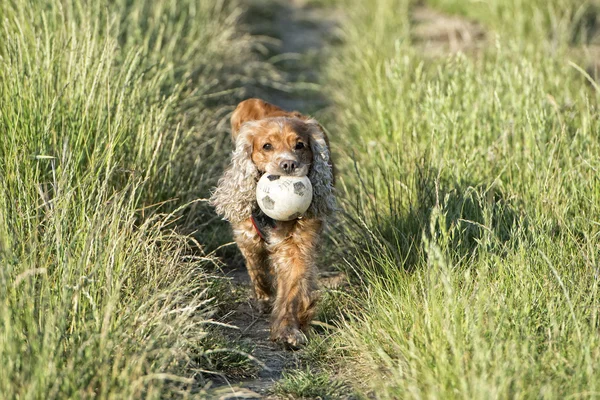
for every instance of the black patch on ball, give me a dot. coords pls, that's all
(294, 216)
(299, 188)
(273, 177)
(268, 203)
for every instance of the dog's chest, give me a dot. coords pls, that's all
(269, 230)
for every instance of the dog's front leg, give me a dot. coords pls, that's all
(293, 259)
(254, 250)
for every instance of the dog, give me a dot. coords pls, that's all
(280, 256)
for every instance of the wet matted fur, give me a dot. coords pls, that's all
(282, 265)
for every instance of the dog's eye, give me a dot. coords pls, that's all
(268, 146)
(299, 146)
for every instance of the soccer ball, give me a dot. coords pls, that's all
(284, 198)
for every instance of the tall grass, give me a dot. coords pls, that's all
(108, 110)
(545, 23)
(471, 199)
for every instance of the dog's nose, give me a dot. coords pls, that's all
(288, 165)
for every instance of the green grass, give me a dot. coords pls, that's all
(468, 187)
(308, 384)
(545, 23)
(470, 192)
(109, 129)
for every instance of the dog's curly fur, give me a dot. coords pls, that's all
(282, 267)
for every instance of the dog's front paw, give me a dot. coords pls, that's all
(264, 305)
(291, 338)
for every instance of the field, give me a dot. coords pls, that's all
(466, 138)
(475, 187)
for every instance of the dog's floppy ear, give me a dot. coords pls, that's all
(321, 173)
(235, 197)
(255, 109)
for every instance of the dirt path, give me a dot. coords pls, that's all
(439, 34)
(302, 32)
(254, 332)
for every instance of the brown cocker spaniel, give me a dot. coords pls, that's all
(280, 256)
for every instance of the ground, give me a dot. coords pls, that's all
(301, 32)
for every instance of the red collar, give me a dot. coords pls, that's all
(257, 229)
(262, 223)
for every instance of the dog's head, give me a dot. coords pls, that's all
(280, 145)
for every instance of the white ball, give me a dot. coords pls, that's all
(284, 198)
